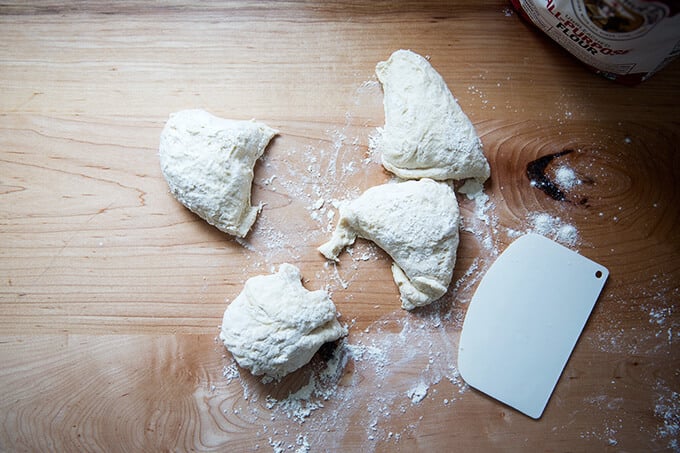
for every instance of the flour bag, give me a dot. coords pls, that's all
(623, 40)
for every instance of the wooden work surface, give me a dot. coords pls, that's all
(111, 293)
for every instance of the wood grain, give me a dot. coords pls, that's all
(111, 293)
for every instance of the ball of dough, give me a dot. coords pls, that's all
(416, 223)
(426, 133)
(275, 326)
(208, 163)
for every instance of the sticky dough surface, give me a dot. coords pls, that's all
(208, 163)
(275, 325)
(416, 223)
(426, 133)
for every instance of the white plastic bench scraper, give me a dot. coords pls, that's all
(524, 320)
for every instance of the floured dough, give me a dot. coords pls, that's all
(416, 223)
(426, 133)
(208, 163)
(275, 325)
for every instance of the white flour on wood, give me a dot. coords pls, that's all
(360, 386)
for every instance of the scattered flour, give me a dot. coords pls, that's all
(667, 410)
(566, 178)
(474, 90)
(277, 446)
(468, 280)
(662, 332)
(302, 444)
(417, 393)
(361, 385)
(321, 387)
(231, 372)
(551, 227)
(482, 224)
(554, 228)
(610, 422)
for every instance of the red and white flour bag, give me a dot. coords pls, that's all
(624, 40)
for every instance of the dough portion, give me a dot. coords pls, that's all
(416, 223)
(426, 133)
(208, 163)
(275, 326)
